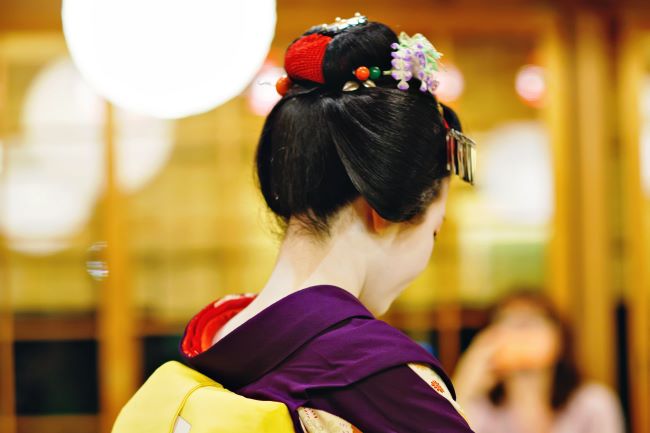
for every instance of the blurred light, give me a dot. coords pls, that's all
(62, 150)
(96, 264)
(530, 84)
(515, 173)
(262, 95)
(63, 121)
(168, 59)
(40, 211)
(451, 85)
(143, 146)
(62, 130)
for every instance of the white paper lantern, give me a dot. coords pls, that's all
(515, 173)
(56, 168)
(168, 58)
(41, 211)
(63, 124)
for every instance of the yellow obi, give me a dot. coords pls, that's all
(178, 399)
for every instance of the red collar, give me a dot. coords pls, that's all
(202, 327)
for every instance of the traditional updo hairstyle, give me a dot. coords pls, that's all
(322, 147)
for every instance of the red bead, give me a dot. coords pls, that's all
(283, 85)
(362, 73)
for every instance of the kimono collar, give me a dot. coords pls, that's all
(264, 341)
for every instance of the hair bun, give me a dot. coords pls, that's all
(366, 44)
(321, 147)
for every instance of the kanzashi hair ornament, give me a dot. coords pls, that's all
(461, 155)
(365, 75)
(342, 24)
(413, 56)
(283, 85)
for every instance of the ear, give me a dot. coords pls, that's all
(373, 220)
(379, 224)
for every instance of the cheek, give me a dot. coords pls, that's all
(417, 242)
(426, 233)
(438, 224)
(419, 247)
(426, 248)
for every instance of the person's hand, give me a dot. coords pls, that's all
(475, 373)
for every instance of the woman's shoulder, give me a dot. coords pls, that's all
(593, 397)
(360, 346)
(364, 337)
(592, 407)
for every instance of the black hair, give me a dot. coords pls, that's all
(321, 147)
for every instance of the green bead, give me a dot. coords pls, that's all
(375, 73)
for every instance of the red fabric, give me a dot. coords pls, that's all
(304, 58)
(202, 327)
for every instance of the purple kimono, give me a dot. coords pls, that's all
(320, 348)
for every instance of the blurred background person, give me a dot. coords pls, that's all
(520, 375)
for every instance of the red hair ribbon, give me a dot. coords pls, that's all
(304, 58)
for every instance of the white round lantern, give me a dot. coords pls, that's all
(516, 174)
(41, 211)
(63, 124)
(169, 58)
(56, 167)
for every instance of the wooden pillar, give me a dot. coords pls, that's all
(118, 356)
(595, 306)
(561, 277)
(579, 115)
(635, 226)
(7, 370)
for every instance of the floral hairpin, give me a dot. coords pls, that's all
(414, 56)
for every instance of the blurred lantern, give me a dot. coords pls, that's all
(451, 85)
(143, 147)
(168, 59)
(262, 95)
(63, 124)
(40, 211)
(62, 150)
(516, 174)
(530, 84)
